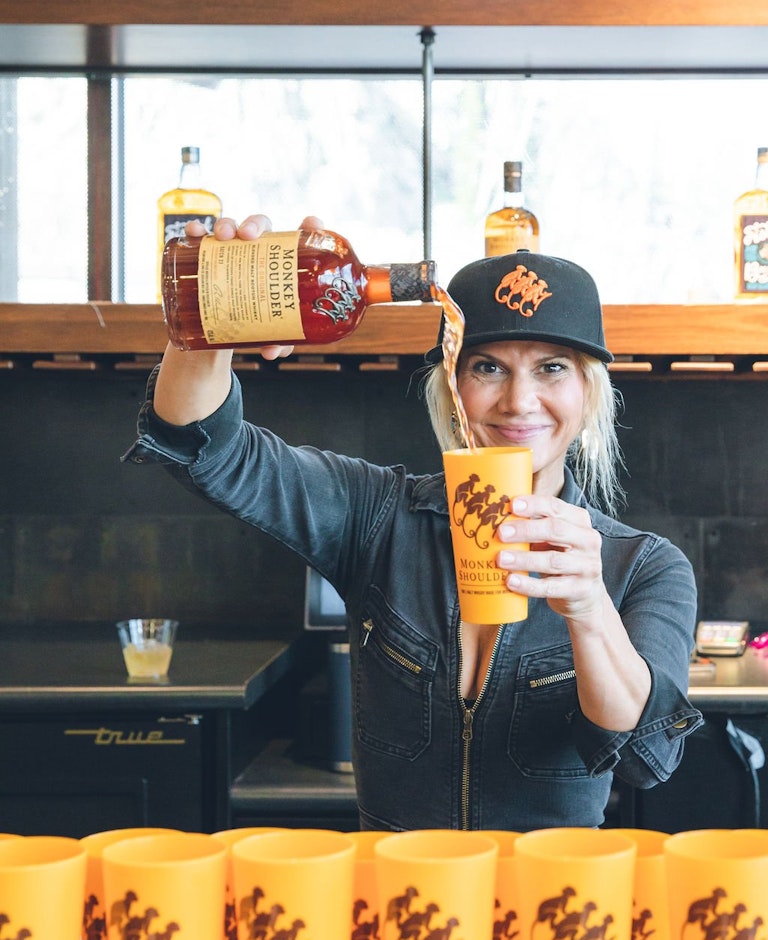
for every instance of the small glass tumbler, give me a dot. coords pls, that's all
(147, 646)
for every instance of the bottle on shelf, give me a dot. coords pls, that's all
(751, 236)
(513, 226)
(286, 288)
(188, 201)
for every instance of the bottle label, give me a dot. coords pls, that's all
(248, 291)
(510, 241)
(173, 225)
(753, 254)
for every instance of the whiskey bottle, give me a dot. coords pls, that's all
(186, 202)
(751, 236)
(286, 288)
(513, 226)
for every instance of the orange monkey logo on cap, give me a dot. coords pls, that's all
(522, 290)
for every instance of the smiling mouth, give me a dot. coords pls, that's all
(518, 433)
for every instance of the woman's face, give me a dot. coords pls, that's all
(525, 394)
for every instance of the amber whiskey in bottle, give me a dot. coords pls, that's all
(751, 236)
(285, 288)
(187, 202)
(513, 226)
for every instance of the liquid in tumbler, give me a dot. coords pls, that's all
(148, 661)
(289, 288)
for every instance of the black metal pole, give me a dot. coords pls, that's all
(427, 36)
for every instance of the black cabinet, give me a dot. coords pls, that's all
(77, 774)
(83, 751)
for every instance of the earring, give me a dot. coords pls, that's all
(454, 423)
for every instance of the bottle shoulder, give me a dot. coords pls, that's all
(753, 201)
(184, 200)
(512, 215)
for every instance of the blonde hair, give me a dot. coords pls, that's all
(594, 456)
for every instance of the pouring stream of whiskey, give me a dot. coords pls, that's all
(453, 338)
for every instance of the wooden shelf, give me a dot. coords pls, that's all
(405, 12)
(403, 329)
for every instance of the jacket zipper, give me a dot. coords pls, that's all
(467, 730)
(550, 680)
(394, 654)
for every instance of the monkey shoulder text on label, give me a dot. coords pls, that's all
(248, 291)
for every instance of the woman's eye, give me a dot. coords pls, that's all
(555, 367)
(484, 367)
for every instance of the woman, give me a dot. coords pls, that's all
(513, 726)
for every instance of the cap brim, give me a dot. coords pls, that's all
(501, 336)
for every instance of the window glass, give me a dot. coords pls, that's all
(632, 177)
(43, 190)
(347, 150)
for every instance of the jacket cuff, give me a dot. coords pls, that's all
(648, 754)
(159, 442)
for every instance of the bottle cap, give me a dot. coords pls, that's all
(513, 176)
(190, 154)
(762, 154)
(412, 281)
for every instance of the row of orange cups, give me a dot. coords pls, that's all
(315, 884)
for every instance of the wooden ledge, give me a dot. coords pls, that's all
(388, 329)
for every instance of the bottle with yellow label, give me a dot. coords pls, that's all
(289, 288)
(751, 236)
(511, 227)
(188, 201)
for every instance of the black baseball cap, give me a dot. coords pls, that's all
(530, 297)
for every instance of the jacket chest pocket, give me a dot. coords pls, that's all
(540, 737)
(393, 685)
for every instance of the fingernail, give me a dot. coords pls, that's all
(506, 559)
(506, 532)
(519, 505)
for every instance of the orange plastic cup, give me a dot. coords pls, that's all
(650, 904)
(436, 880)
(365, 897)
(717, 883)
(170, 884)
(480, 485)
(505, 905)
(575, 882)
(42, 879)
(229, 837)
(94, 910)
(294, 883)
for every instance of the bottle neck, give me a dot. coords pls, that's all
(761, 177)
(396, 283)
(513, 200)
(189, 177)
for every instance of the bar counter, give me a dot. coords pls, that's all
(88, 750)
(732, 684)
(72, 666)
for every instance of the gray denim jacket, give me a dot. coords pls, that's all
(523, 756)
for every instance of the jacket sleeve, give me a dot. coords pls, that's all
(319, 504)
(657, 604)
